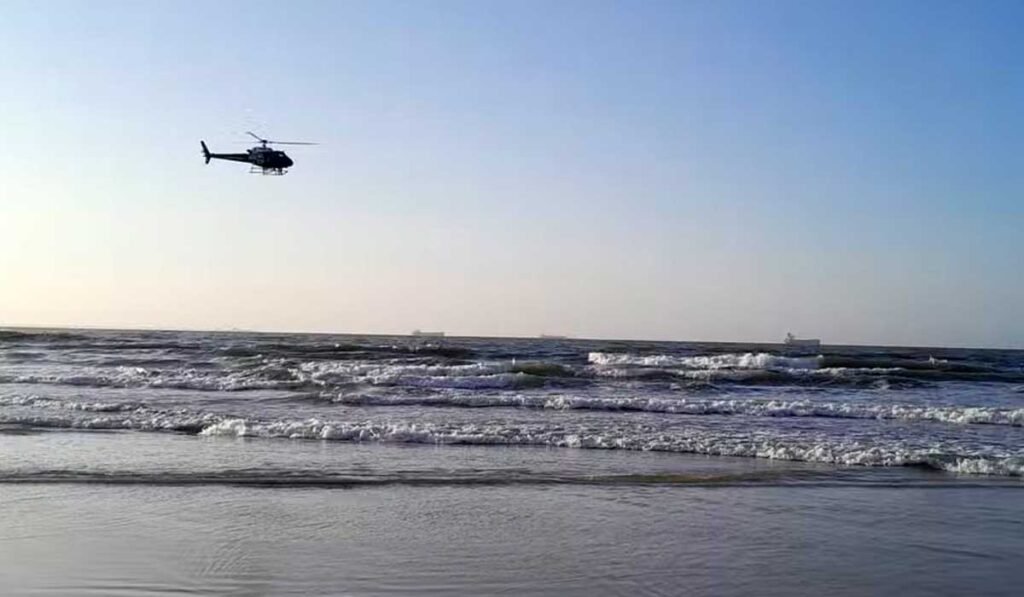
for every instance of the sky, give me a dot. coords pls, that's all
(689, 170)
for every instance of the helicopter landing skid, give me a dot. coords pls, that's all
(267, 171)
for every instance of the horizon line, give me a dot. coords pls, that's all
(236, 330)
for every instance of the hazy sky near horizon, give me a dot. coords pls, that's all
(663, 170)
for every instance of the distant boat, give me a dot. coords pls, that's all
(422, 334)
(792, 340)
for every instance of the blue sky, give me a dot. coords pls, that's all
(670, 170)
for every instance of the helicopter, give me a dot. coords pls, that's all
(264, 160)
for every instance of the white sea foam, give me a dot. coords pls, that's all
(761, 360)
(962, 415)
(839, 452)
(137, 420)
(277, 374)
(483, 375)
(136, 377)
(796, 408)
(755, 442)
(701, 406)
(1006, 467)
(43, 402)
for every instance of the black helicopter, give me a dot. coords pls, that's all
(264, 160)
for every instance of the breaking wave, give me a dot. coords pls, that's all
(873, 452)
(142, 377)
(280, 374)
(846, 453)
(766, 368)
(711, 362)
(689, 406)
(283, 374)
(42, 402)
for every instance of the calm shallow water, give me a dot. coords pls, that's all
(693, 525)
(143, 463)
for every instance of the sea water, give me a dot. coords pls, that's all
(141, 463)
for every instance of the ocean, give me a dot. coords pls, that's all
(153, 463)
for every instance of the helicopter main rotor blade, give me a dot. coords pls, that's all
(269, 142)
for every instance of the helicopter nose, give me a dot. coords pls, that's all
(288, 162)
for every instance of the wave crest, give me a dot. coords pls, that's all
(761, 360)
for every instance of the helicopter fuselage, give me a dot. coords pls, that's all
(269, 158)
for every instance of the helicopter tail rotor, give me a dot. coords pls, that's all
(206, 152)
